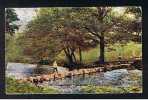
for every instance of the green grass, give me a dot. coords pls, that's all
(127, 51)
(110, 90)
(13, 87)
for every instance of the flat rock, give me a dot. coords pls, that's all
(61, 69)
(19, 70)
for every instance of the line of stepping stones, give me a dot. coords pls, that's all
(60, 75)
(64, 74)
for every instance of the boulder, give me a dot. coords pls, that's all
(134, 78)
(123, 77)
(114, 77)
(115, 74)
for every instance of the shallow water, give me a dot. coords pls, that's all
(21, 70)
(72, 85)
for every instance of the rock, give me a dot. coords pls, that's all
(19, 70)
(123, 77)
(114, 77)
(136, 71)
(21, 67)
(61, 69)
(137, 64)
(115, 74)
(134, 78)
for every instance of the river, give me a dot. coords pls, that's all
(119, 77)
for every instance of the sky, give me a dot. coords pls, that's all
(26, 14)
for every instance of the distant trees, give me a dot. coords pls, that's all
(11, 18)
(10, 27)
(136, 25)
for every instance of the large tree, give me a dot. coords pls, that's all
(107, 26)
(72, 38)
(56, 24)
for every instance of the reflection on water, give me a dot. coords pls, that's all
(43, 70)
(20, 70)
(79, 80)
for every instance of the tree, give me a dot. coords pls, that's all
(57, 24)
(76, 40)
(73, 40)
(79, 28)
(10, 27)
(11, 18)
(136, 25)
(39, 44)
(106, 26)
(40, 49)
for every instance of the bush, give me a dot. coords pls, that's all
(44, 62)
(13, 87)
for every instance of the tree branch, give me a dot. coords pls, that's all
(89, 30)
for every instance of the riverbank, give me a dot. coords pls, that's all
(13, 87)
(116, 81)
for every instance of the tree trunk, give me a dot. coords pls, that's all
(69, 57)
(102, 47)
(80, 55)
(74, 57)
(70, 60)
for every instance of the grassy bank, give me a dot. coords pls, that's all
(112, 52)
(110, 89)
(13, 87)
(134, 76)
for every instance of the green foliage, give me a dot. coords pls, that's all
(44, 48)
(110, 90)
(54, 30)
(11, 18)
(69, 29)
(13, 87)
(40, 41)
(14, 51)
